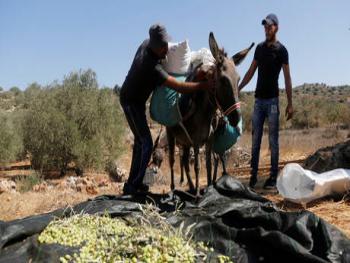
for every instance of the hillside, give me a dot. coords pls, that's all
(318, 90)
(315, 105)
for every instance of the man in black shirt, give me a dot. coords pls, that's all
(145, 74)
(270, 56)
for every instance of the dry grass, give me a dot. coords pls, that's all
(19, 205)
(25, 183)
(16, 205)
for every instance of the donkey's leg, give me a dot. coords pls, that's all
(223, 159)
(196, 168)
(208, 162)
(186, 163)
(171, 145)
(182, 168)
(216, 165)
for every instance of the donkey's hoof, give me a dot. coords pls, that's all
(197, 198)
(192, 191)
(170, 197)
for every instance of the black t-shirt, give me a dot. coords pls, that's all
(145, 74)
(270, 60)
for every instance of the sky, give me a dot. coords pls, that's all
(44, 40)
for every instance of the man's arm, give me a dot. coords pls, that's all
(288, 84)
(187, 87)
(248, 76)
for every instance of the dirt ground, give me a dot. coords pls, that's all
(294, 145)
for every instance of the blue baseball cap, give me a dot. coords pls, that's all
(271, 19)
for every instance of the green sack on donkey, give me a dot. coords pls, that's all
(164, 108)
(226, 136)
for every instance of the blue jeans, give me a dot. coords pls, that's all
(136, 116)
(265, 109)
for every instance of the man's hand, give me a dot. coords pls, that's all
(288, 83)
(289, 112)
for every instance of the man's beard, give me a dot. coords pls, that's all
(270, 38)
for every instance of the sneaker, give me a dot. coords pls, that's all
(129, 189)
(270, 183)
(143, 188)
(252, 182)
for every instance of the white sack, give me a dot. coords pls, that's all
(302, 186)
(202, 56)
(178, 58)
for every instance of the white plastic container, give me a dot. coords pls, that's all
(302, 186)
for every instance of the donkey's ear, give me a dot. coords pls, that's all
(214, 48)
(238, 58)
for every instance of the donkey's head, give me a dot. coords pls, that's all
(227, 79)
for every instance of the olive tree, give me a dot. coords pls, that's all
(73, 122)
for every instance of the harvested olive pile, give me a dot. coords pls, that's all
(105, 239)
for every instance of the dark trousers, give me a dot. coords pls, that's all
(265, 109)
(143, 145)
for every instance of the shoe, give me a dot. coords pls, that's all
(129, 189)
(143, 188)
(252, 182)
(270, 183)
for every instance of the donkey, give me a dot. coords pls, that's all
(199, 125)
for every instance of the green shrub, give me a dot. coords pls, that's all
(15, 90)
(11, 144)
(25, 183)
(6, 100)
(31, 92)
